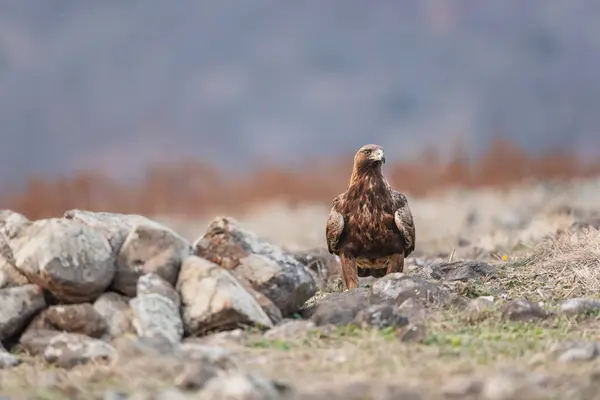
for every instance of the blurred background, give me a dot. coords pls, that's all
(196, 107)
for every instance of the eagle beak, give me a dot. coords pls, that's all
(379, 156)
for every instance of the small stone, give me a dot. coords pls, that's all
(413, 332)
(340, 308)
(75, 318)
(413, 309)
(462, 270)
(7, 360)
(568, 352)
(69, 349)
(35, 341)
(194, 376)
(398, 287)
(523, 310)
(479, 309)
(578, 306)
(18, 306)
(212, 299)
(381, 316)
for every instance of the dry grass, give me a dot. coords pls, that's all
(193, 188)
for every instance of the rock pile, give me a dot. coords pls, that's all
(71, 286)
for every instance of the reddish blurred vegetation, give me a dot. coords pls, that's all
(195, 189)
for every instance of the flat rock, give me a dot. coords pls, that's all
(277, 274)
(73, 318)
(212, 299)
(340, 308)
(156, 315)
(17, 306)
(523, 310)
(115, 311)
(66, 350)
(69, 259)
(462, 270)
(397, 287)
(149, 249)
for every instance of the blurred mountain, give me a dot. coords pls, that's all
(116, 85)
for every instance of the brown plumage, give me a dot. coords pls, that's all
(370, 226)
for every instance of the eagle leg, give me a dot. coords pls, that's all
(349, 272)
(396, 264)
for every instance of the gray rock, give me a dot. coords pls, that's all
(7, 360)
(462, 270)
(413, 332)
(194, 376)
(267, 305)
(17, 306)
(114, 226)
(340, 308)
(479, 309)
(149, 249)
(212, 299)
(156, 315)
(568, 352)
(66, 350)
(523, 310)
(381, 316)
(413, 309)
(322, 265)
(290, 329)
(69, 259)
(240, 386)
(117, 314)
(151, 283)
(273, 272)
(579, 306)
(35, 341)
(73, 318)
(398, 287)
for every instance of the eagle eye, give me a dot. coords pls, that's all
(367, 152)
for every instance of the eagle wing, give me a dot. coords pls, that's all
(404, 221)
(335, 225)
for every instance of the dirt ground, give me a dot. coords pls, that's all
(527, 233)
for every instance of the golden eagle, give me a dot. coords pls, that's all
(370, 226)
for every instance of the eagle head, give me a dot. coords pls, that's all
(369, 156)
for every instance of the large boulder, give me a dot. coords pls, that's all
(68, 258)
(212, 299)
(140, 246)
(277, 274)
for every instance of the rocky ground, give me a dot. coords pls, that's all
(499, 301)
